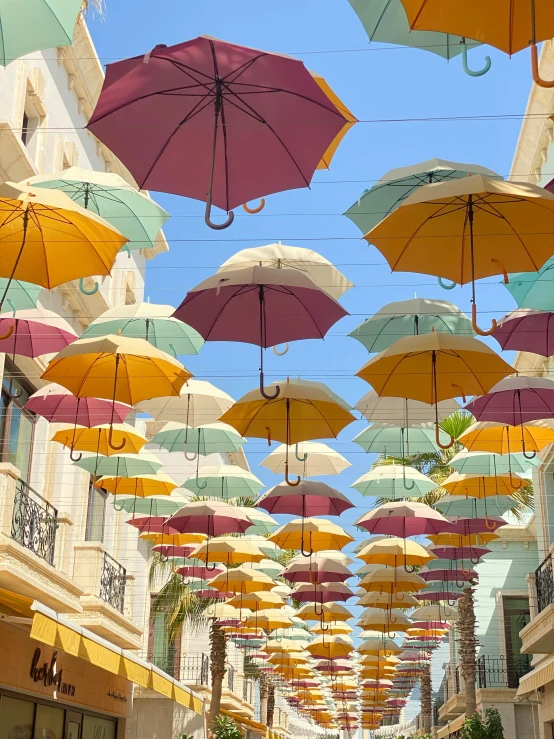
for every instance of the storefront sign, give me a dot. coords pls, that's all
(48, 674)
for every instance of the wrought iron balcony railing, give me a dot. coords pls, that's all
(112, 583)
(195, 668)
(230, 677)
(544, 579)
(498, 672)
(34, 522)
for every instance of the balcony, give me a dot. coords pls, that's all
(32, 545)
(107, 595)
(454, 695)
(498, 672)
(538, 636)
(195, 671)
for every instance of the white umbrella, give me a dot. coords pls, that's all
(394, 482)
(401, 411)
(307, 459)
(199, 403)
(322, 272)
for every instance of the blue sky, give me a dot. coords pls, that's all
(390, 89)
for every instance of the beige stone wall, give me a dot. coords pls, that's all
(156, 717)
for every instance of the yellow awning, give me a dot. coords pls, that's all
(254, 725)
(535, 679)
(50, 628)
(12, 604)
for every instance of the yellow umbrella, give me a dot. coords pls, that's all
(269, 619)
(351, 120)
(392, 580)
(106, 439)
(332, 628)
(274, 646)
(395, 552)
(491, 437)
(330, 647)
(459, 540)
(47, 239)
(289, 658)
(242, 580)
(434, 367)
(467, 229)
(320, 534)
(385, 621)
(224, 611)
(174, 540)
(325, 613)
(256, 601)
(378, 647)
(388, 601)
(230, 550)
(509, 27)
(480, 486)
(143, 486)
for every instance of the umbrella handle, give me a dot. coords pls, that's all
(191, 458)
(410, 569)
(437, 439)
(7, 335)
(173, 350)
(75, 459)
(111, 442)
(451, 604)
(323, 627)
(537, 79)
(462, 583)
(278, 353)
(445, 286)
(406, 487)
(528, 456)
(287, 480)
(300, 459)
(258, 209)
(83, 289)
(513, 481)
(490, 527)
(116, 508)
(211, 569)
(503, 268)
(263, 392)
(476, 328)
(462, 568)
(471, 72)
(318, 613)
(462, 394)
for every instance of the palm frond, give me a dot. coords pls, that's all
(180, 606)
(457, 423)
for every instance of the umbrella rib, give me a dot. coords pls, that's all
(243, 67)
(516, 234)
(267, 88)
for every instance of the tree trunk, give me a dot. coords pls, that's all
(218, 659)
(264, 692)
(426, 698)
(270, 705)
(468, 644)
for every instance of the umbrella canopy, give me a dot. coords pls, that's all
(229, 549)
(256, 601)
(394, 482)
(325, 613)
(385, 621)
(395, 186)
(316, 569)
(335, 592)
(58, 405)
(471, 553)
(404, 519)
(447, 573)
(225, 481)
(516, 400)
(338, 627)
(242, 580)
(159, 506)
(269, 619)
(211, 518)
(387, 601)
(501, 439)
(322, 272)
(445, 230)
(206, 439)
(409, 318)
(488, 463)
(330, 647)
(261, 522)
(120, 465)
(527, 330)
(19, 295)
(198, 403)
(402, 411)
(385, 647)
(435, 613)
(457, 540)
(42, 25)
(479, 486)
(307, 459)
(318, 533)
(283, 133)
(532, 290)
(135, 215)
(32, 333)
(454, 505)
(394, 552)
(380, 438)
(40, 228)
(309, 498)
(268, 567)
(99, 439)
(141, 487)
(150, 322)
(392, 580)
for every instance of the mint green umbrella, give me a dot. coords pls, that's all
(151, 322)
(267, 566)
(33, 25)
(394, 482)
(209, 438)
(223, 481)
(109, 196)
(409, 317)
(533, 289)
(456, 505)
(154, 506)
(270, 549)
(120, 465)
(262, 524)
(395, 441)
(20, 295)
(491, 465)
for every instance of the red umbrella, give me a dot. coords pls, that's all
(58, 405)
(309, 498)
(149, 524)
(404, 519)
(265, 306)
(316, 570)
(327, 593)
(216, 122)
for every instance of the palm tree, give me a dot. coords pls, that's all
(426, 688)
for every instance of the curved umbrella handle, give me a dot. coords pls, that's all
(476, 328)
(392, 619)
(445, 286)
(198, 485)
(258, 209)
(300, 459)
(505, 275)
(460, 583)
(318, 613)
(471, 72)
(211, 569)
(287, 480)
(451, 604)
(278, 353)
(312, 581)
(410, 569)
(111, 443)
(397, 596)
(210, 223)
(513, 481)
(117, 508)
(537, 79)
(263, 392)
(7, 335)
(406, 487)
(192, 458)
(306, 554)
(532, 455)
(322, 625)
(83, 289)
(492, 526)
(74, 459)
(467, 572)
(437, 439)
(462, 394)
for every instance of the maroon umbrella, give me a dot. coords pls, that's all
(515, 400)
(404, 519)
(326, 593)
(216, 122)
(469, 526)
(527, 330)
(473, 554)
(265, 306)
(149, 524)
(199, 572)
(316, 570)
(309, 498)
(446, 574)
(170, 550)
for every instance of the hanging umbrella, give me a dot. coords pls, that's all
(394, 552)
(386, 601)
(310, 498)
(256, 601)
(438, 222)
(141, 487)
(385, 622)
(436, 591)
(265, 306)
(106, 194)
(307, 459)
(120, 465)
(510, 29)
(330, 647)
(19, 295)
(395, 186)
(32, 333)
(350, 120)
(267, 547)
(320, 534)
(440, 366)
(480, 486)
(459, 541)
(199, 572)
(39, 230)
(269, 115)
(488, 463)
(377, 647)
(446, 573)
(328, 593)
(408, 318)
(515, 400)
(399, 441)
(465, 526)
(471, 553)
(299, 412)
(402, 411)
(225, 481)
(159, 506)
(268, 567)
(392, 580)
(105, 439)
(316, 569)
(212, 518)
(527, 330)
(149, 524)
(454, 505)
(261, 522)
(230, 550)
(242, 580)
(328, 612)
(58, 405)
(502, 439)
(154, 323)
(206, 439)
(269, 619)
(404, 519)
(533, 290)
(322, 272)
(338, 627)
(391, 482)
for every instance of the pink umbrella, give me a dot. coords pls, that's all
(32, 333)
(473, 554)
(328, 665)
(316, 570)
(265, 306)
(327, 593)
(515, 401)
(447, 574)
(218, 122)
(201, 573)
(404, 519)
(527, 330)
(149, 524)
(169, 551)
(469, 526)
(309, 498)
(58, 405)
(211, 594)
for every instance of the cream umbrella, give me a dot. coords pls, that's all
(402, 411)
(199, 403)
(307, 459)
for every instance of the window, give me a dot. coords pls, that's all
(163, 651)
(96, 513)
(31, 125)
(516, 616)
(17, 426)
(16, 718)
